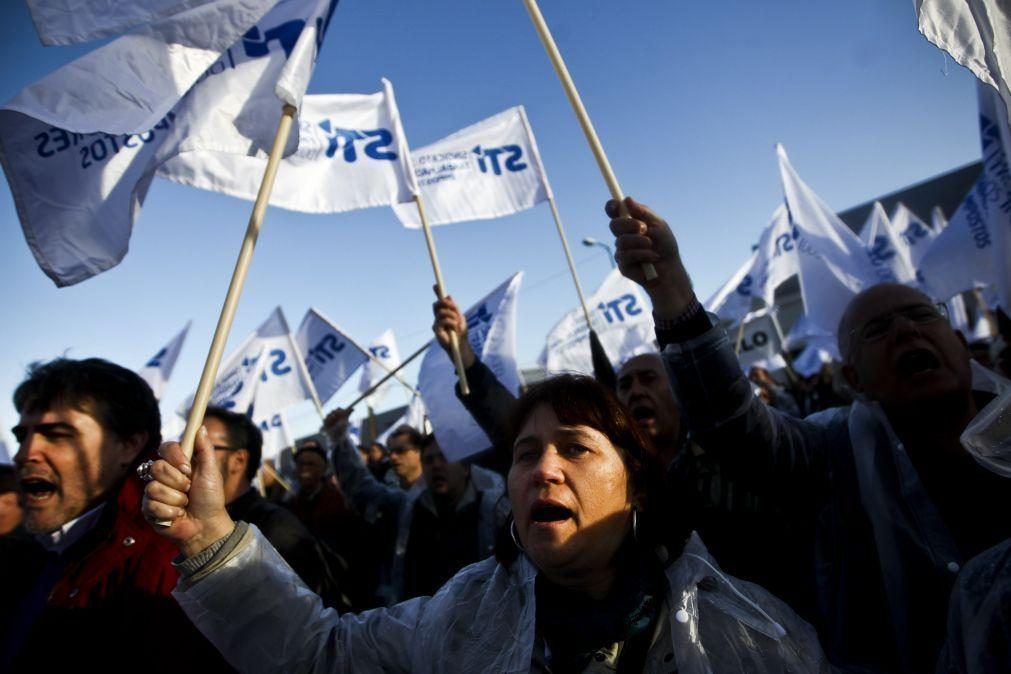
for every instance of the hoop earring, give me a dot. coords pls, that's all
(515, 535)
(635, 525)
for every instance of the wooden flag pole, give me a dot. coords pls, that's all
(572, 265)
(440, 290)
(224, 326)
(303, 372)
(584, 119)
(388, 376)
(740, 337)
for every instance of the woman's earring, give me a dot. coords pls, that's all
(515, 535)
(635, 525)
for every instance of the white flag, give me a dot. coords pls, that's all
(974, 249)
(414, 416)
(128, 85)
(886, 248)
(487, 170)
(351, 154)
(761, 341)
(276, 437)
(156, 372)
(78, 194)
(977, 34)
(491, 330)
(937, 220)
(733, 299)
(385, 357)
(331, 357)
(777, 258)
(916, 234)
(811, 360)
(834, 264)
(621, 318)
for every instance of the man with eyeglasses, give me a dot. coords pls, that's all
(895, 505)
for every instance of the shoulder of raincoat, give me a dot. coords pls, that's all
(262, 618)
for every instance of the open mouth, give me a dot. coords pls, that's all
(917, 361)
(550, 513)
(643, 413)
(37, 490)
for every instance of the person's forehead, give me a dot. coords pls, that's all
(648, 362)
(880, 301)
(542, 424)
(60, 413)
(309, 456)
(216, 428)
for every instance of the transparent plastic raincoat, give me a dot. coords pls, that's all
(250, 605)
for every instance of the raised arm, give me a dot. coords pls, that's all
(724, 415)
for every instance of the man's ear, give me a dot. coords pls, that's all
(131, 447)
(238, 460)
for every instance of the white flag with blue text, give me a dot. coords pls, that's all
(331, 357)
(733, 299)
(915, 233)
(886, 248)
(276, 437)
(351, 154)
(621, 317)
(78, 193)
(156, 372)
(834, 264)
(491, 331)
(977, 34)
(777, 257)
(974, 249)
(385, 357)
(486, 170)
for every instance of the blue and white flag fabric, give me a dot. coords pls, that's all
(732, 301)
(157, 371)
(937, 220)
(385, 357)
(977, 34)
(834, 264)
(263, 374)
(414, 416)
(488, 170)
(777, 256)
(811, 360)
(491, 331)
(351, 154)
(916, 234)
(761, 343)
(621, 317)
(974, 249)
(887, 249)
(79, 172)
(331, 357)
(276, 437)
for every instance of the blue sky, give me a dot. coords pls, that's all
(688, 99)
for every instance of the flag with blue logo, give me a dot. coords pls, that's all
(331, 357)
(916, 234)
(274, 429)
(886, 247)
(351, 154)
(158, 369)
(977, 34)
(263, 374)
(834, 265)
(733, 299)
(385, 357)
(974, 250)
(79, 165)
(491, 331)
(621, 317)
(486, 170)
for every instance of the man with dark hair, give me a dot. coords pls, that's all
(238, 446)
(898, 504)
(101, 572)
(405, 455)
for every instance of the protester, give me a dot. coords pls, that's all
(238, 447)
(98, 596)
(900, 505)
(405, 455)
(318, 504)
(591, 577)
(423, 517)
(374, 456)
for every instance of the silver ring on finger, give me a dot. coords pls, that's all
(144, 471)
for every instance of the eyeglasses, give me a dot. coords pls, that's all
(918, 314)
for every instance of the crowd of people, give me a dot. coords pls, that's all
(677, 515)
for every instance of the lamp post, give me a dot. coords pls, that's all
(590, 242)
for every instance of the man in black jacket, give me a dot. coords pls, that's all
(238, 447)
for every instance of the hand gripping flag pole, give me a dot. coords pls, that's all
(584, 119)
(224, 326)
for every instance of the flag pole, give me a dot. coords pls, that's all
(388, 376)
(584, 119)
(568, 258)
(224, 325)
(306, 379)
(440, 290)
(740, 337)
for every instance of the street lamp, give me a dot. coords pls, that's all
(590, 242)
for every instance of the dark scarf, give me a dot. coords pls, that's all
(575, 626)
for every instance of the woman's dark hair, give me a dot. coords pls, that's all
(582, 400)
